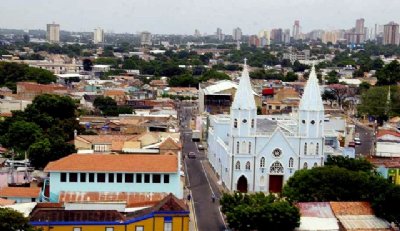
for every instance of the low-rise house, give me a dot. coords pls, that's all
(389, 168)
(21, 194)
(358, 216)
(114, 173)
(118, 95)
(317, 216)
(29, 90)
(191, 92)
(166, 213)
(387, 143)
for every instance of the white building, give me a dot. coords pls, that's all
(145, 38)
(53, 33)
(237, 34)
(98, 36)
(251, 152)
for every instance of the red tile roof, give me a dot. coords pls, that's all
(114, 163)
(351, 208)
(387, 132)
(31, 192)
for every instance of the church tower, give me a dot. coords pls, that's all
(311, 109)
(243, 110)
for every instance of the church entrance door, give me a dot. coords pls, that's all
(242, 184)
(275, 183)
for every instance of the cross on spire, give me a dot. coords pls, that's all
(245, 61)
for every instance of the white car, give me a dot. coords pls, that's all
(357, 140)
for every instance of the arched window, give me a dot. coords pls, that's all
(305, 166)
(237, 147)
(315, 164)
(311, 148)
(305, 149)
(276, 168)
(235, 123)
(237, 166)
(291, 162)
(248, 165)
(317, 149)
(249, 147)
(262, 162)
(252, 123)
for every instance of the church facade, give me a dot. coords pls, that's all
(252, 153)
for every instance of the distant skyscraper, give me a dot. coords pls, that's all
(277, 35)
(98, 35)
(53, 33)
(391, 33)
(254, 41)
(330, 36)
(197, 33)
(360, 26)
(145, 38)
(296, 30)
(286, 36)
(265, 38)
(219, 34)
(237, 34)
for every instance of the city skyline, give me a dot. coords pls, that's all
(136, 16)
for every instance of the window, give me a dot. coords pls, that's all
(101, 177)
(139, 228)
(278, 107)
(291, 160)
(109, 229)
(156, 178)
(277, 152)
(317, 149)
(63, 177)
(249, 147)
(243, 147)
(111, 177)
(139, 178)
(83, 177)
(128, 177)
(77, 229)
(270, 107)
(252, 123)
(235, 123)
(303, 121)
(262, 162)
(248, 165)
(305, 165)
(237, 147)
(91, 177)
(119, 177)
(312, 122)
(237, 166)
(276, 168)
(73, 177)
(305, 149)
(167, 226)
(146, 178)
(166, 178)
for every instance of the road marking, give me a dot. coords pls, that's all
(192, 198)
(212, 191)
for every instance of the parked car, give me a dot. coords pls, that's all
(200, 147)
(357, 140)
(192, 155)
(352, 144)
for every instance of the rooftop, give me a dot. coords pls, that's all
(114, 163)
(24, 192)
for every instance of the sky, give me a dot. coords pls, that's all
(184, 16)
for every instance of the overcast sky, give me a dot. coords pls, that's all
(184, 16)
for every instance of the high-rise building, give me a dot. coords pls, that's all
(296, 30)
(277, 35)
(219, 34)
(197, 33)
(330, 36)
(53, 33)
(237, 34)
(286, 36)
(254, 41)
(360, 26)
(391, 33)
(145, 38)
(98, 35)
(265, 38)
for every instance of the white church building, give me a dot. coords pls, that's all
(251, 152)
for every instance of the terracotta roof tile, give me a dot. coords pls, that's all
(31, 192)
(113, 92)
(351, 208)
(105, 138)
(114, 163)
(387, 132)
(132, 199)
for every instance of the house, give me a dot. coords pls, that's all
(358, 216)
(20, 194)
(114, 173)
(169, 213)
(117, 95)
(389, 168)
(317, 216)
(29, 90)
(387, 143)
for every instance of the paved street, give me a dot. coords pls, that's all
(367, 140)
(201, 186)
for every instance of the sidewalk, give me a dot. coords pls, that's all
(212, 176)
(192, 215)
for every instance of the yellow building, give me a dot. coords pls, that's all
(170, 214)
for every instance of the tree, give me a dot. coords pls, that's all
(87, 65)
(328, 95)
(11, 220)
(103, 103)
(340, 91)
(389, 74)
(21, 135)
(257, 211)
(359, 164)
(290, 77)
(333, 77)
(364, 86)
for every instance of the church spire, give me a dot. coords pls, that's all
(311, 99)
(244, 98)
